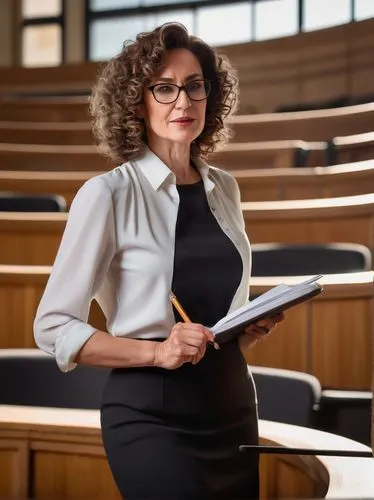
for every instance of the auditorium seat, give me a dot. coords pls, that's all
(286, 395)
(19, 202)
(277, 259)
(347, 413)
(31, 377)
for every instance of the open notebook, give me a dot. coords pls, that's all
(276, 299)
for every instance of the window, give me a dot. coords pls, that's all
(42, 32)
(226, 24)
(320, 14)
(100, 5)
(218, 22)
(41, 8)
(275, 18)
(107, 35)
(364, 9)
(113, 4)
(41, 45)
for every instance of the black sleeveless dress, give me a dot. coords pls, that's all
(174, 434)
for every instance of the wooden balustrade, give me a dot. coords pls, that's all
(316, 337)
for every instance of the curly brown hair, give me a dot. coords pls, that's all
(118, 92)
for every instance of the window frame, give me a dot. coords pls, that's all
(48, 20)
(92, 15)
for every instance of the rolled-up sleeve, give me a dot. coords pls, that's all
(86, 250)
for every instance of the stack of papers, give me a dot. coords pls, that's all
(268, 304)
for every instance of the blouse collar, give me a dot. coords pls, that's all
(158, 173)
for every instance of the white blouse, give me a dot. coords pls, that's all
(118, 247)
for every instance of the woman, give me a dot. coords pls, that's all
(175, 408)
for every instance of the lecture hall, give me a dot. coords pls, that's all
(125, 127)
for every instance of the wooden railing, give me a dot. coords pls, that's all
(47, 450)
(328, 220)
(315, 338)
(255, 185)
(33, 238)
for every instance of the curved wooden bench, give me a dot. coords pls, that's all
(65, 184)
(51, 448)
(352, 148)
(64, 133)
(236, 156)
(326, 220)
(33, 238)
(305, 183)
(279, 154)
(269, 154)
(255, 185)
(319, 125)
(51, 157)
(72, 109)
(319, 331)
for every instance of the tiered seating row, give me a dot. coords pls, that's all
(255, 185)
(316, 338)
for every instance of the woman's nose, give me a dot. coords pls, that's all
(183, 100)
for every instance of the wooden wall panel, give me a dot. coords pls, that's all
(329, 337)
(341, 349)
(14, 465)
(71, 472)
(287, 347)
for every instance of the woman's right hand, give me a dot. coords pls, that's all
(185, 344)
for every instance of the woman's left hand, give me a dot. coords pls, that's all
(259, 330)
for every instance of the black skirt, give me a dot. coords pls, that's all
(174, 434)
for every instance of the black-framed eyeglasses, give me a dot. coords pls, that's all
(166, 93)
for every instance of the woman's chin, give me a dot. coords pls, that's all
(183, 136)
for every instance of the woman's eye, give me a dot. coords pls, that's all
(165, 89)
(195, 86)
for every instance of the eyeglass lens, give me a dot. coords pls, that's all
(197, 90)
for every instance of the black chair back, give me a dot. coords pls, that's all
(278, 259)
(31, 377)
(286, 396)
(19, 202)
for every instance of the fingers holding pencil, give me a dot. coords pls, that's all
(186, 319)
(186, 342)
